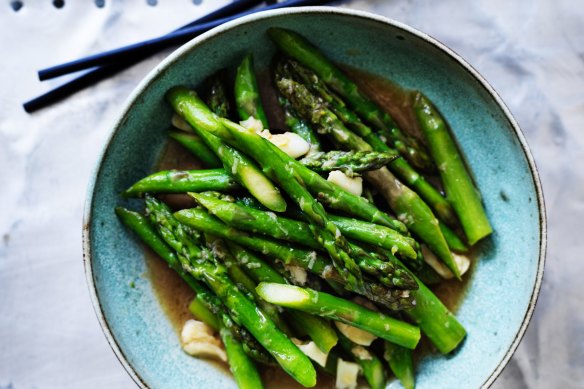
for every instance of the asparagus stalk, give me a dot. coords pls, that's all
(245, 283)
(403, 201)
(197, 147)
(278, 164)
(299, 126)
(188, 105)
(201, 312)
(460, 189)
(217, 99)
(297, 47)
(369, 362)
(270, 224)
(208, 304)
(255, 221)
(243, 369)
(329, 306)
(401, 167)
(311, 261)
(454, 242)
(247, 95)
(200, 263)
(348, 162)
(401, 364)
(319, 330)
(176, 181)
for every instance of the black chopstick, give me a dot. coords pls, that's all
(182, 35)
(100, 73)
(233, 8)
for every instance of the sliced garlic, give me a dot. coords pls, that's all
(347, 373)
(298, 274)
(356, 335)
(252, 123)
(352, 185)
(462, 262)
(361, 353)
(289, 142)
(205, 350)
(198, 340)
(180, 123)
(311, 350)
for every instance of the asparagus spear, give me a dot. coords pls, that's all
(369, 362)
(245, 283)
(460, 190)
(208, 305)
(217, 99)
(319, 330)
(299, 126)
(348, 162)
(454, 242)
(327, 305)
(243, 369)
(277, 163)
(200, 263)
(197, 147)
(297, 47)
(253, 220)
(247, 95)
(176, 181)
(201, 312)
(401, 364)
(401, 167)
(403, 201)
(199, 219)
(187, 104)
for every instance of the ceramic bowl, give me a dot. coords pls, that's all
(504, 287)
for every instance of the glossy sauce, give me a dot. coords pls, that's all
(174, 295)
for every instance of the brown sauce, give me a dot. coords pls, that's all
(174, 295)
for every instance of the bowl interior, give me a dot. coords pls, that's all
(506, 276)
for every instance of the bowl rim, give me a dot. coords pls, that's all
(178, 53)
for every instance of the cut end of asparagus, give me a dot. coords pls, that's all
(262, 189)
(284, 295)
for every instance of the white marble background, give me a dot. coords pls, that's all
(532, 52)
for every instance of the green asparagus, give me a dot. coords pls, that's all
(247, 95)
(243, 369)
(188, 105)
(401, 364)
(200, 263)
(311, 261)
(281, 167)
(401, 167)
(297, 47)
(348, 162)
(299, 126)
(319, 330)
(326, 305)
(217, 99)
(197, 147)
(176, 181)
(460, 189)
(253, 220)
(409, 207)
(370, 364)
(208, 304)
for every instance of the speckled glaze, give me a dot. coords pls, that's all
(505, 284)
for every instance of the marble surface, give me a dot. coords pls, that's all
(531, 51)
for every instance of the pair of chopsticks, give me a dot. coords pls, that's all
(110, 62)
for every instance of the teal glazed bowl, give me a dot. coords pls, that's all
(503, 290)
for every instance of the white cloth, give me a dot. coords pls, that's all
(531, 51)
